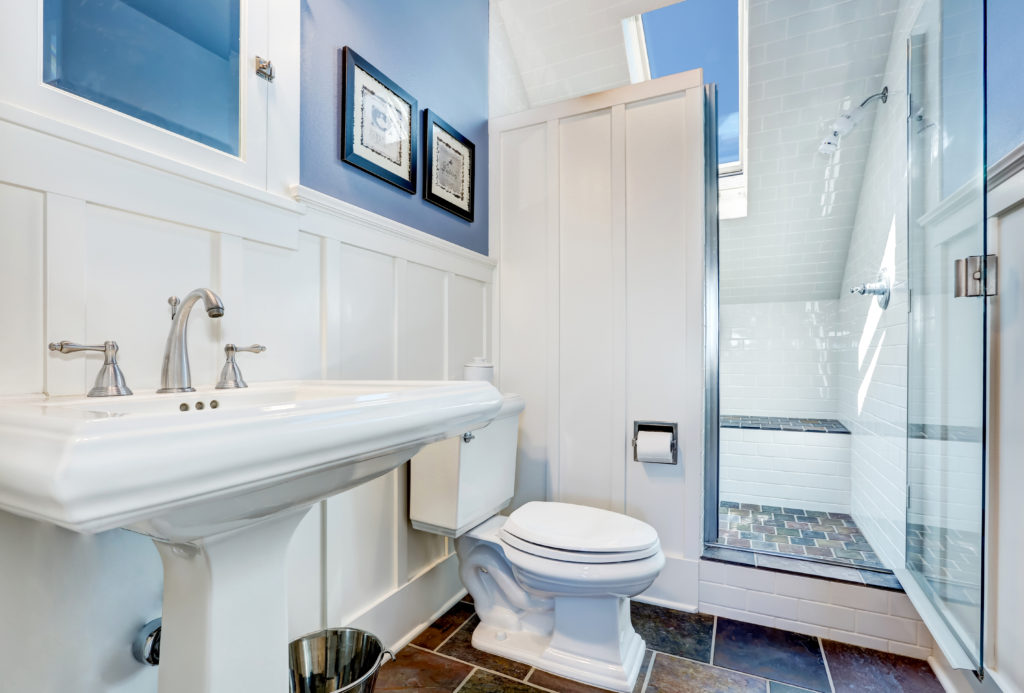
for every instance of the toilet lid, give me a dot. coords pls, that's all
(579, 528)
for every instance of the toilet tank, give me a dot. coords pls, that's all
(456, 484)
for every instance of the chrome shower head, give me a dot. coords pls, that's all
(847, 121)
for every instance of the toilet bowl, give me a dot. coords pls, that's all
(551, 582)
(559, 599)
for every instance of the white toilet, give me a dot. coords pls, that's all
(551, 582)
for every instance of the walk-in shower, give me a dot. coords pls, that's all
(850, 364)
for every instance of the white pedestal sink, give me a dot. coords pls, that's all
(220, 489)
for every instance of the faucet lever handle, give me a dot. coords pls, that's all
(231, 376)
(110, 380)
(253, 349)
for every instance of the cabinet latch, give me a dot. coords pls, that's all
(976, 276)
(265, 69)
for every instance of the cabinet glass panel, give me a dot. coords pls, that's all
(172, 64)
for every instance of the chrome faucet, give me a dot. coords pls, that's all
(176, 375)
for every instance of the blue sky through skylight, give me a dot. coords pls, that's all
(701, 33)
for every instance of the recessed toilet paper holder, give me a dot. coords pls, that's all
(661, 427)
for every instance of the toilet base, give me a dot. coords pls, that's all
(536, 650)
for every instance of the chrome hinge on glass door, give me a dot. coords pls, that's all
(976, 276)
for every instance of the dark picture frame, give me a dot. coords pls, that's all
(449, 168)
(379, 124)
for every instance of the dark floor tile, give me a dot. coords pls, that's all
(418, 670)
(468, 598)
(776, 687)
(675, 675)
(460, 646)
(486, 682)
(859, 670)
(449, 622)
(559, 684)
(641, 678)
(770, 653)
(675, 632)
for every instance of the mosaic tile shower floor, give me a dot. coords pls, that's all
(687, 653)
(834, 537)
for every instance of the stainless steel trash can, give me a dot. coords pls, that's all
(335, 660)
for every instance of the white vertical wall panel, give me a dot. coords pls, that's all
(367, 301)
(360, 560)
(421, 327)
(657, 207)
(466, 298)
(21, 283)
(524, 300)
(422, 344)
(586, 329)
(280, 303)
(128, 282)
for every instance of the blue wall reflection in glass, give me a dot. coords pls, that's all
(701, 33)
(174, 65)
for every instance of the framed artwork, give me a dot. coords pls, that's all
(450, 164)
(380, 126)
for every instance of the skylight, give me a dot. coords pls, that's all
(688, 35)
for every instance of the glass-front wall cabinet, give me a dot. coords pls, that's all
(174, 65)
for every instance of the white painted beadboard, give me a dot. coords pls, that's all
(91, 247)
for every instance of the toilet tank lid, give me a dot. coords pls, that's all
(579, 528)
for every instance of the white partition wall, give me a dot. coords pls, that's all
(599, 227)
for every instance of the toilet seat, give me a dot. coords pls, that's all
(579, 534)
(554, 554)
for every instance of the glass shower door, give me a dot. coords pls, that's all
(949, 275)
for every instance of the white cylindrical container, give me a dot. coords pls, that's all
(479, 369)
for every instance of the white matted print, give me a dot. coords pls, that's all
(450, 163)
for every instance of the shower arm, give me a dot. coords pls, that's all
(883, 95)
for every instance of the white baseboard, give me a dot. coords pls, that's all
(400, 616)
(676, 586)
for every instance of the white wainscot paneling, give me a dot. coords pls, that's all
(786, 469)
(366, 306)
(524, 301)
(22, 347)
(72, 605)
(587, 335)
(421, 323)
(422, 342)
(278, 305)
(466, 320)
(361, 530)
(132, 265)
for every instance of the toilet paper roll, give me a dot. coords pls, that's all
(654, 446)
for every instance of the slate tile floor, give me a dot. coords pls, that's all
(833, 537)
(687, 653)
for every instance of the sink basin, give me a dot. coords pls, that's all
(220, 479)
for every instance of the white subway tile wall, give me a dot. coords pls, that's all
(779, 359)
(785, 468)
(806, 67)
(856, 614)
(873, 357)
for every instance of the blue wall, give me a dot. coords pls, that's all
(1005, 96)
(437, 51)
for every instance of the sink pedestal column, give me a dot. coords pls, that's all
(225, 612)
